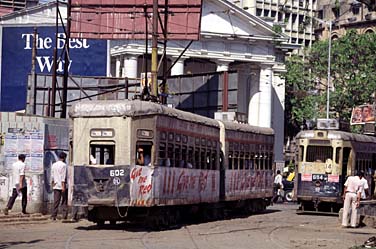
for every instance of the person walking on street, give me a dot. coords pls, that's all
(363, 180)
(277, 187)
(59, 176)
(352, 193)
(19, 181)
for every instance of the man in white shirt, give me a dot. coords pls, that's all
(364, 183)
(58, 179)
(19, 181)
(277, 187)
(352, 192)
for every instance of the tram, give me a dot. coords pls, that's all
(324, 159)
(136, 160)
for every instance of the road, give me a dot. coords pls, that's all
(278, 228)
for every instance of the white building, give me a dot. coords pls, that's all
(231, 39)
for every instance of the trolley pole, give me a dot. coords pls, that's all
(66, 64)
(154, 50)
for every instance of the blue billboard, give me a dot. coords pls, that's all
(87, 57)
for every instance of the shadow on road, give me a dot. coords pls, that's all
(186, 221)
(15, 243)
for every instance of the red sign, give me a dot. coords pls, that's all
(126, 19)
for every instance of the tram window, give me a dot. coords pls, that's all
(203, 159)
(319, 153)
(197, 141)
(170, 155)
(170, 136)
(184, 139)
(252, 161)
(241, 160)
(301, 153)
(208, 159)
(183, 162)
(143, 153)
(190, 158)
(178, 138)
(162, 135)
(102, 154)
(203, 142)
(261, 161)
(246, 161)
(162, 154)
(177, 155)
(214, 160)
(257, 161)
(236, 160)
(230, 160)
(197, 158)
(338, 151)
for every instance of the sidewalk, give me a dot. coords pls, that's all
(19, 218)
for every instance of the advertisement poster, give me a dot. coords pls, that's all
(87, 58)
(362, 114)
(29, 143)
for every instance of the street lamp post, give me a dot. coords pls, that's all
(329, 51)
(328, 83)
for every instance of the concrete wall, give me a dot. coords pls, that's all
(41, 139)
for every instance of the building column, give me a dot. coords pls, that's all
(130, 66)
(117, 66)
(178, 68)
(265, 98)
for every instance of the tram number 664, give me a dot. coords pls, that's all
(117, 172)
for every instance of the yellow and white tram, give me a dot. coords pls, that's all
(192, 164)
(324, 159)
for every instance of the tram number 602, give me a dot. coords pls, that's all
(117, 172)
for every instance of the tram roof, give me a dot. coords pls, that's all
(247, 128)
(132, 108)
(342, 135)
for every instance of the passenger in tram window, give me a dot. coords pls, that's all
(167, 162)
(93, 160)
(143, 159)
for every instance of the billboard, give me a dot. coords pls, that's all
(87, 57)
(362, 114)
(125, 19)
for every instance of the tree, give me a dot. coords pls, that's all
(353, 76)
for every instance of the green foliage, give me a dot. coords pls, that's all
(353, 76)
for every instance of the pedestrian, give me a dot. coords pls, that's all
(364, 183)
(19, 181)
(352, 193)
(277, 187)
(59, 177)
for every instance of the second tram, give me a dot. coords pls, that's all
(324, 159)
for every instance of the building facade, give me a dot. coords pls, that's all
(346, 15)
(292, 17)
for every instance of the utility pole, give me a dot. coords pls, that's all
(154, 51)
(66, 64)
(54, 67)
(163, 90)
(33, 82)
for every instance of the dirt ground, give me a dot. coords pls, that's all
(279, 227)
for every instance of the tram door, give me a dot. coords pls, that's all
(345, 161)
